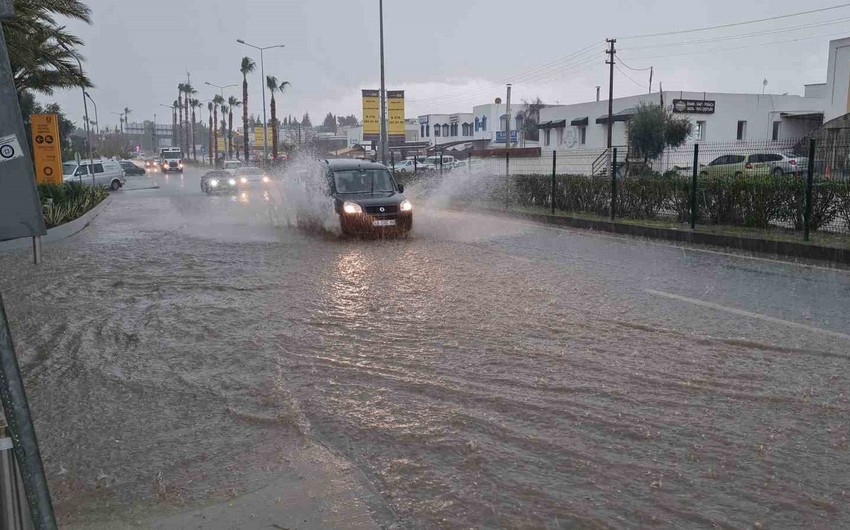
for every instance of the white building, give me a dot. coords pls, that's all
(489, 123)
(440, 129)
(717, 117)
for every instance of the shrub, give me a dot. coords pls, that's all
(70, 201)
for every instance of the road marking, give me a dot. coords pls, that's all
(670, 244)
(747, 314)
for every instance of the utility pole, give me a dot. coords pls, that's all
(508, 118)
(650, 80)
(611, 51)
(383, 90)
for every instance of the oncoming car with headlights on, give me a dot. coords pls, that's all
(218, 181)
(367, 198)
(251, 177)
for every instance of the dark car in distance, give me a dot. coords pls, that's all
(131, 169)
(218, 181)
(367, 198)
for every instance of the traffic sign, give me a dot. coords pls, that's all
(47, 152)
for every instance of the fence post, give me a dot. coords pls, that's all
(614, 185)
(441, 162)
(507, 177)
(692, 199)
(807, 212)
(470, 160)
(554, 168)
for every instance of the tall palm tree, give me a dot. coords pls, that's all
(210, 133)
(273, 86)
(217, 101)
(189, 91)
(247, 67)
(194, 103)
(232, 102)
(42, 53)
(181, 88)
(224, 111)
(174, 130)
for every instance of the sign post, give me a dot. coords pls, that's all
(46, 148)
(20, 211)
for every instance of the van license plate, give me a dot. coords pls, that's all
(384, 222)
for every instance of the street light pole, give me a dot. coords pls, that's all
(220, 87)
(85, 110)
(383, 90)
(172, 107)
(96, 120)
(263, 82)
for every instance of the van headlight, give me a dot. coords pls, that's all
(351, 207)
(232, 182)
(244, 180)
(405, 206)
(265, 179)
(214, 182)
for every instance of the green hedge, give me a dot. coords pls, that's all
(757, 202)
(62, 203)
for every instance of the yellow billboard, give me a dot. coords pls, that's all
(371, 115)
(220, 143)
(395, 116)
(258, 137)
(46, 148)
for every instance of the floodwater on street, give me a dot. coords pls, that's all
(484, 372)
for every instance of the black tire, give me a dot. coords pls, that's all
(778, 172)
(203, 185)
(115, 185)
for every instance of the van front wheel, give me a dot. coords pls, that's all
(115, 186)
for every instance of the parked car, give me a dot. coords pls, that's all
(756, 164)
(218, 181)
(131, 169)
(106, 173)
(407, 166)
(367, 198)
(250, 177)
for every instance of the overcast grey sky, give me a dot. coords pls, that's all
(447, 54)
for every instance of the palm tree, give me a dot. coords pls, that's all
(224, 111)
(273, 86)
(232, 102)
(194, 103)
(42, 53)
(181, 88)
(174, 130)
(217, 100)
(210, 132)
(190, 134)
(246, 68)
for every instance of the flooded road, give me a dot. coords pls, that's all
(484, 372)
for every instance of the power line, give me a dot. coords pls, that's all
(742, 35)
(699, 52)
(635, 69)
(627, 76)
(734, 24)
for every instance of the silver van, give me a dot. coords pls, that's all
(107, 173)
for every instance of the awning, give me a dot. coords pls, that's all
(579, 122)
(552, 124)
(802, 114)
(623, 115)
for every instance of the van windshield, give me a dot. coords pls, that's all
(69, 168)
(363, 181)
(172, 155)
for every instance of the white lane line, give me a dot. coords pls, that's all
(747, 314)
(684, 246)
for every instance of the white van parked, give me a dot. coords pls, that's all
(106, 173)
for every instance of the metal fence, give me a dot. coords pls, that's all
(789, 187)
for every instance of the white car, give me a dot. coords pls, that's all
(106, 173)
(407, 166)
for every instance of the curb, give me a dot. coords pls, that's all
(59, 232)
(750, 244)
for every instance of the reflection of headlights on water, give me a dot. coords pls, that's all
(266, 196)
(232, 182)
(266, 179)
(243, 180)
(352, 207)
(243, 197)
(405, 206)
(214, 183)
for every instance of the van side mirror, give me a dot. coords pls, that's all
(401, 188)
